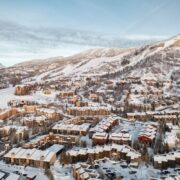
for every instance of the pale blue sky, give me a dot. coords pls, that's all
(75, 25)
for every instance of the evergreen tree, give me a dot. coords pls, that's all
(83, 144)
(90, 160)
(63, 158)
(68, 159)
(49, 174)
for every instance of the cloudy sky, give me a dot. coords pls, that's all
(31, 29)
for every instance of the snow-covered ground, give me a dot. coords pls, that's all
(61, 173)
(132, 127)
(143, 172)
(5, 96)
(8, 94)
(24, 170)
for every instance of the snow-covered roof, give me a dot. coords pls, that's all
(97, 149)
(55, 148)
(33, 154)
(102, 135)
(13, 176)
(72, 127)
(165, 157)
(120, 136)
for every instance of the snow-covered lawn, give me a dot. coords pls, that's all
(21, 169)
(8, 94)
(61, 173)
(132, 127)
(5, 96)
(142, 172)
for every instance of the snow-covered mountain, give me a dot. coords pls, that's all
(159, 60)
(19, 42)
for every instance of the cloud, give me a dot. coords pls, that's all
(22, 43)
(144, 37)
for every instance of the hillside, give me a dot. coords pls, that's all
(159, 60)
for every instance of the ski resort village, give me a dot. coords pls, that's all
(103, 114)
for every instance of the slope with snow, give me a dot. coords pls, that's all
(158, 60)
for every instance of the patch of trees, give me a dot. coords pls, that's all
(65, 158)
(49, 174)
(124, 62)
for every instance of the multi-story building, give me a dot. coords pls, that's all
(100, 138)
(98, 152)
(164, 161)
(30, 157)
(71, 129)
(88, 111)
(50, 139)
(120, 138)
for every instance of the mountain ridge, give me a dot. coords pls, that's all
(156, 60)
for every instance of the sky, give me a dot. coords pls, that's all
(33, 29)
